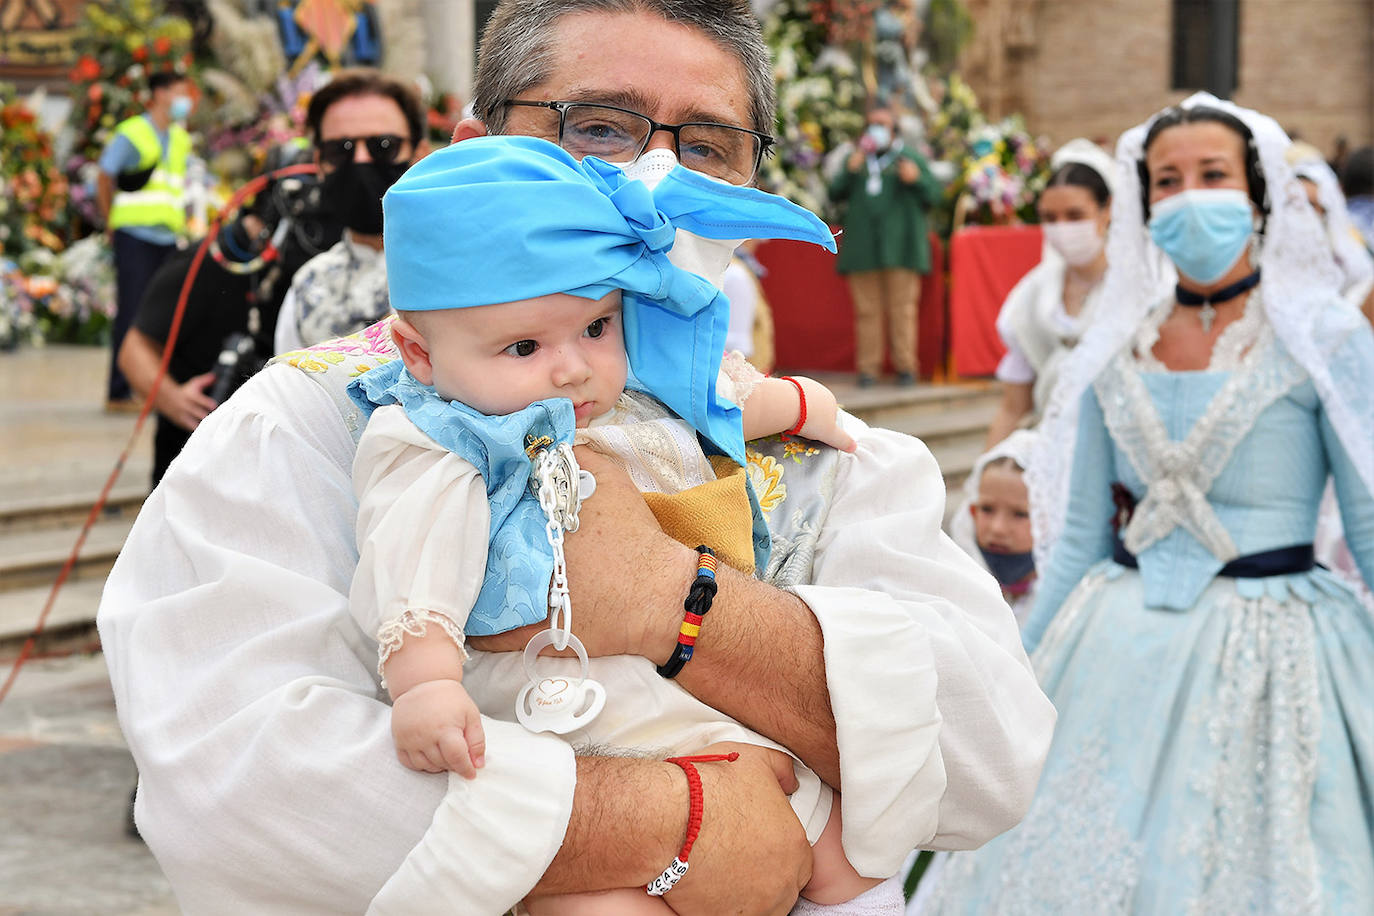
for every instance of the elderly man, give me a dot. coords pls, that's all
(886, 662)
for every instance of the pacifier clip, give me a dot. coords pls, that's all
(558, 704)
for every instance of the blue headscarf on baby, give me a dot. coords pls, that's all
(500, 219)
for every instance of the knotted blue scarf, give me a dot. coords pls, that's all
(498, 219)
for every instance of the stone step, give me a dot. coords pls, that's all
(72, 617)
(69, 508)
(33, 558)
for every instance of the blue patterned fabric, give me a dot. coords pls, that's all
(1215, 743)
(515, 590)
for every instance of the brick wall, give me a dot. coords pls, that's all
(1096, 68)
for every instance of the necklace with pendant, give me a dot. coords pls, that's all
(1208, 312)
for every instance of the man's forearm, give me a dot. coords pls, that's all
(617, 798)
(139, 358)
(104, 196)
(760, 659)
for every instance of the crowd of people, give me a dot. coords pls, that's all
(1131, 678)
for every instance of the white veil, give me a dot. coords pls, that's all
(1354, 260)
(1299, 292)
(1018, 447)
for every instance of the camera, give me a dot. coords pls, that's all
(237, 362)
(264, 246)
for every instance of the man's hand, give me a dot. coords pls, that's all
(856, 160)
(437, 727)
(908, 171)
(186, 404)
(751, 855)
(627, 578)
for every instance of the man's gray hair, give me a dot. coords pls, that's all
(518, 47)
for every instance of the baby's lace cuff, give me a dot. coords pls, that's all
(413, 622)
(741, 376)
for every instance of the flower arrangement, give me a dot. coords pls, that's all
(66, 298)
(999, 168)
(17, 323)
(820, 100)
(33, 194)
(1003, 174)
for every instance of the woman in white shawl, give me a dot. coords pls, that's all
(1215, 742)
(1045, 314)
(1324, 193)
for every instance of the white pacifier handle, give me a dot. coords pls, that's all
(557, 704)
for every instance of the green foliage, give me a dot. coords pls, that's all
(948, 29)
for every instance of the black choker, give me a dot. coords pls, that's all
(1225, 294)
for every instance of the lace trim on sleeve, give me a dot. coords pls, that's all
(741, 375)
(413, 622)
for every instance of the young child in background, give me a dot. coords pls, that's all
(565, 293)
(994, 526)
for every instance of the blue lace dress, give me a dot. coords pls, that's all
(1215, 746)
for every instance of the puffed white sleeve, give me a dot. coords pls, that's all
(423, 523)
(942, 729)
(268, 779)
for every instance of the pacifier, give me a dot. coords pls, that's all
(557, 704)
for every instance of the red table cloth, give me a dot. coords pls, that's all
(985, 262)
(813, 316)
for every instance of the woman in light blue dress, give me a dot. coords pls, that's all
(1215, 746)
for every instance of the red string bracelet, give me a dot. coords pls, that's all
(695, 805)
(801, 419)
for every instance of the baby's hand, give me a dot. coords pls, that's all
(437, 727)
(822, 417)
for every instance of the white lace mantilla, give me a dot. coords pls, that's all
(1180, 474)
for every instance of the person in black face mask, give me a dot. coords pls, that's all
(367, 128)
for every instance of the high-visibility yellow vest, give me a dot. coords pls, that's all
(160, 201)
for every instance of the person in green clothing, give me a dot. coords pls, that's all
(140, 190)
(887, 188)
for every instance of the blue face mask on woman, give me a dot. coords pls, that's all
(1203, 231)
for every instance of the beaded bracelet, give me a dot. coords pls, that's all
(699, 598)
(696, 803)
(801, 418)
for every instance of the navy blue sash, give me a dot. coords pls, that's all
(1278, 562)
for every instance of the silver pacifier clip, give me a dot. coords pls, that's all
(558, 704)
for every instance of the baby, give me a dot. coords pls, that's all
(561, 320)
(998, 518)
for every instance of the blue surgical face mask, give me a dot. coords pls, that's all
(1204, 231)
(880, 134)
(1008, 568)
(181, 108)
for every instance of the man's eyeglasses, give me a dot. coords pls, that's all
(383, 148)
(619, 135)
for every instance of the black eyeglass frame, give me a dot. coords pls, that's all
(375, 148)
(766, 141)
